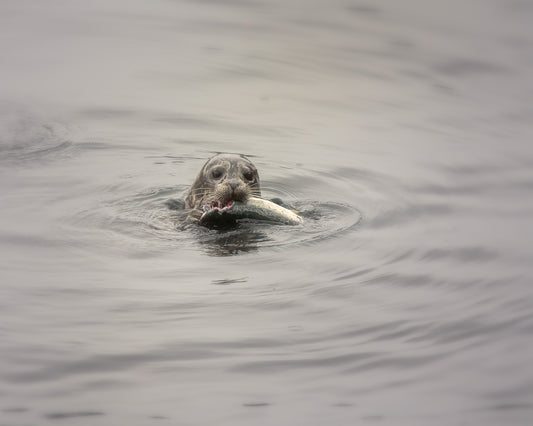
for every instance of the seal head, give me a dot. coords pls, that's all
(223, 180)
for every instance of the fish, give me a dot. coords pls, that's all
(253, 208)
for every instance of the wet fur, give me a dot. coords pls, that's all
(238, 181)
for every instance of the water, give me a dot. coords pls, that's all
(403, 128)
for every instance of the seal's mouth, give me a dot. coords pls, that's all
(218, 205)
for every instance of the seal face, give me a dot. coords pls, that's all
(223, 180)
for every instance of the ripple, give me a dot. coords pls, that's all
(321, 221)
(30, 141)
(70, 415)
(154, 219)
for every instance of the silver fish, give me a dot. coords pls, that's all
(254, 208)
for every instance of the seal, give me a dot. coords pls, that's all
(223, 180)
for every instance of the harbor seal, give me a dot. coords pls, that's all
(223, 180)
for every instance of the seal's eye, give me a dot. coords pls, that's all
(248, 175)
(217, 173)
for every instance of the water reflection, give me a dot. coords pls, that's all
(244, 239)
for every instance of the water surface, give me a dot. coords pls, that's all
(401, 128)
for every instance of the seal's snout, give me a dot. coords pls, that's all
(234, 190)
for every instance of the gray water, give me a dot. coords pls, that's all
(401, 128)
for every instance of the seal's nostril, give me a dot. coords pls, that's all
(233, 185)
